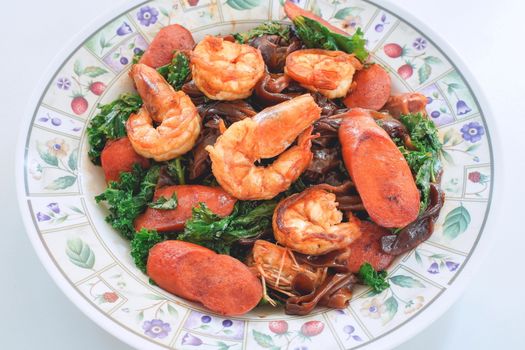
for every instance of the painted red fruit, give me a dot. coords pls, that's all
(79, 105)
(193, 2)
(278, 327)
(312, 328)
(393, 50)
(405, 71)
(97, 87)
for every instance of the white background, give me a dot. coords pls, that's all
(488, 35)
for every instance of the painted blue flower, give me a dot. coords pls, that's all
(147, 15)
(419, 44)
(205, 319)
(156, 328)
(42, 217)
(63, 83)
(227, 323)
(472, 132)
(189, 339)
(54, 207)
(434, 268)
(462, 107)
(451, 266)
(124, 29)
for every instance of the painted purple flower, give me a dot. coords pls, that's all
(43, 119)
(56, 121)
(419, 44)
(451, 266)
(63, 83)
(205, 319)
(54, 207)
(156, 328)
(42, 217)
(227, 323)
(77, 128)
(462, 107)
(472, 132)
(189, 339)
(339, 311)
(147, 15)
(434, 268)
(124, 29)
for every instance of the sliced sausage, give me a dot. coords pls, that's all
(171, 38)
(119, 156)
(188, 196)
(372, 88)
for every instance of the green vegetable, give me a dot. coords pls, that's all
(248, 219)
(177, 170)
(136, 57)
(110, 123)
(129, 197)
(372, 278)
(424, 160)
(316, 35)
(141, 243)
(270, 28)
(164, 203)
(177, 71)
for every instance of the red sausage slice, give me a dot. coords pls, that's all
(171, 38)
(372, 89)
(119, 156)
(188, 196)
(221, 283)
(379, 170)
(367, 248)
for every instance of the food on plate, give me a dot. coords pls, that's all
(329, 72)
(273, 166)
(178, 121)
(225, 70)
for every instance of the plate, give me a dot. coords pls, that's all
(91, 262)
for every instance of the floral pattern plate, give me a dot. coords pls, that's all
(91, 263)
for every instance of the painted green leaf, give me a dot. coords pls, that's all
(424, 72)
(79, 253)
(61, 219)
(406, 282)
(418, 258)
(160, 313)
(62, 183)
(372, 293)
(456, 222)
(344, 12)
(172, 311)
(472, 147)
(432, 60)
(93, 71)
(131, 45)
(452, 87)
(263, 340)
(438, 256)
(391, 306)
(241, 5)
(139, 317)
(446, 156)
(72, 161)
(77, 67)
(164, 11)
(152, 296)
(443, 110)
(47, 157)
(76, 209)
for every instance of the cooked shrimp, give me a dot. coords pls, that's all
(265, 135)
(328, 72)
(310, 223)
(179, 121)
(225, 70)
(278, 268)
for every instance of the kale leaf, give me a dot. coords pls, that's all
(141, 243)
(424, 160)
(164, 203)
(376, 280)
(315, 35)
(110, 123)
(129, 197)
(177, 71)
(268, 28)
(248, 219)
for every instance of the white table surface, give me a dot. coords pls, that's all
(35, 314)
